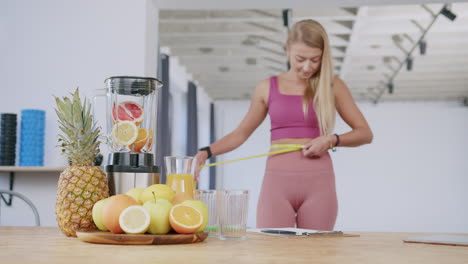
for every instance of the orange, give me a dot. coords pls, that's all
(201, 206)
(180, 197)
(125, 132)
(142, 139)
(185, 219)
(112, 210)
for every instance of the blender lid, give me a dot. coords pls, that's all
(132, 85)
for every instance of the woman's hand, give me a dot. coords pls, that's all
(317, 146)
(201, 158)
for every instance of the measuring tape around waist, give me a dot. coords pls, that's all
(284, 149)
(286, 146)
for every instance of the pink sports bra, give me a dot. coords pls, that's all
(287, 117)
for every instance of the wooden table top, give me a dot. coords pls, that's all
(49, 245)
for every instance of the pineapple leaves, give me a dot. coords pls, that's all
(79, 137)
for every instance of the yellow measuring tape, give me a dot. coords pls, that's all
(284, 149)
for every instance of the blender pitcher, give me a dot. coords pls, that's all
(131, 121)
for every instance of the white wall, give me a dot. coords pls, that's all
(246, 174)
(203, 103)
(51, 47)
(413, 177)
(179, 78)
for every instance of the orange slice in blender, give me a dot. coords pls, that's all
(125, 132)
(144, 136)
(185, 219)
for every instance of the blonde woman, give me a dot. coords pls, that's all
(298, 188)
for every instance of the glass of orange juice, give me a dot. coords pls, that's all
(179, 174)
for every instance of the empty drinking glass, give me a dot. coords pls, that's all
(210, 199)
(233, 206)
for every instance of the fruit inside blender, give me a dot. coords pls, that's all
(127, 118)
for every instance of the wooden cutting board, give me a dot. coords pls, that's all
(144, 239)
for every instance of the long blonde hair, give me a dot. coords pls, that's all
(319, 86)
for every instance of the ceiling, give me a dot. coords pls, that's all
(229, 51)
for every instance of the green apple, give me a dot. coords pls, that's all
(97, 214)
(201, 206)
(158, 191)
(135, 194)
(159, 211)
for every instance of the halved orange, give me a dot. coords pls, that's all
(185, 219)
(142, 139)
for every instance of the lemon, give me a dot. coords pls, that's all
(134, 220)
(125, 132)
(160, 191)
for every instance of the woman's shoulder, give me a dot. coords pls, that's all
(262, 90)
(263, 86)
(265, 83)
(337, 80)
(338, 83)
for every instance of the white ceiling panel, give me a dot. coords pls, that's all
(229, 51)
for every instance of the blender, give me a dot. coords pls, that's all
(131, 113)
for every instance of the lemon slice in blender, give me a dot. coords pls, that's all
(125, 132)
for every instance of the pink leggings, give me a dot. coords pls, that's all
(298, 192)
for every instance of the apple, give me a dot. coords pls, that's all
(135, 194)
(159, 211)
(157, 191)
(97, 214)
(201, 206)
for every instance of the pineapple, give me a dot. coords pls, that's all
(81, 185)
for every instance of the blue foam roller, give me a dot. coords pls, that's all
(32, 137)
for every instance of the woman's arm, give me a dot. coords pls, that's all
(349, 112)
(254, 117)
(361, 133)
